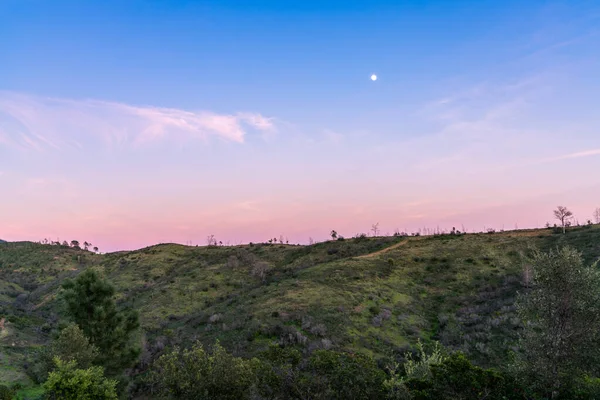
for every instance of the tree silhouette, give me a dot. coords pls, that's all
(375, 229)
(563, 215)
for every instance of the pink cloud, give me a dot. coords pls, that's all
(40, 122)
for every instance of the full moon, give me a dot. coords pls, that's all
(373, 77)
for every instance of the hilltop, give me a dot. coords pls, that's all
(371, 295)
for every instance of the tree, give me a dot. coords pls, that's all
(375, 229)
(561, 314)
(195, 373)
(86, 245)
(69, 383)
(70, 345)
(91, 305)
(333, 234)
(597, 215)
(563, 215)
(75, 243)
(211, 241)
(95, 249)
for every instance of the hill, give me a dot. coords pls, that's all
(2, 241)
(371, 295)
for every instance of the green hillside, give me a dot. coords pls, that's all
(371, 295)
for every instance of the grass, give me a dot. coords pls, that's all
(370, 295)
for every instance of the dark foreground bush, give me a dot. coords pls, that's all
(457, 378)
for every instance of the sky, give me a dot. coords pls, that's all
(130, 123)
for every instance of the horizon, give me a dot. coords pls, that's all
(282, 240)
(130, 125)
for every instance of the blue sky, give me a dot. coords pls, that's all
(268, 106)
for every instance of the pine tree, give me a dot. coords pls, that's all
(91, 305)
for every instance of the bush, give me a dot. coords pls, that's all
(346, 376)
(70, 345)
(69, 383)
(456, 378)
(195, 373)
(5, 393)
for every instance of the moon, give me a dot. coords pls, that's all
(373, 77)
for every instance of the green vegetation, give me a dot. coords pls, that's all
(562, 312)
(69, 383)
(194, 373)
(295, 321)
(71, 345)
(90, 304)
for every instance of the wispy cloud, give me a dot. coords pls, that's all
(580, 154)
(35, 122)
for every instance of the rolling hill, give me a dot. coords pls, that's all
(371, 295)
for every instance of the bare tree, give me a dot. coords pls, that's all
(563, 215)
(375, 229)
(597, 215)
(211, 241)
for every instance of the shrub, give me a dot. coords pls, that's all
(69, 383)
(194, 373)
(375, 309)
(5, 393)
(421, 369)
(346, 375)
(70, 345)
(456, 378)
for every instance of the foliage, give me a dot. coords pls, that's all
(6, 393)
(195, 373)
(91, 305)
(345, 375)
(561, 339)
(395, 384)
(69, 383)
(70, 345)
(421, 368)
(455, 378)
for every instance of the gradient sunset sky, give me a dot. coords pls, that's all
(129, 123)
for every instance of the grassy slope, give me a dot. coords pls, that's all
(376, 295)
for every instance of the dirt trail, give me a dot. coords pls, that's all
(385, 250)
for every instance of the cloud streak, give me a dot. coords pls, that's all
(33, 122)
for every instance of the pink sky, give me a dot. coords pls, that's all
(480, 131)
